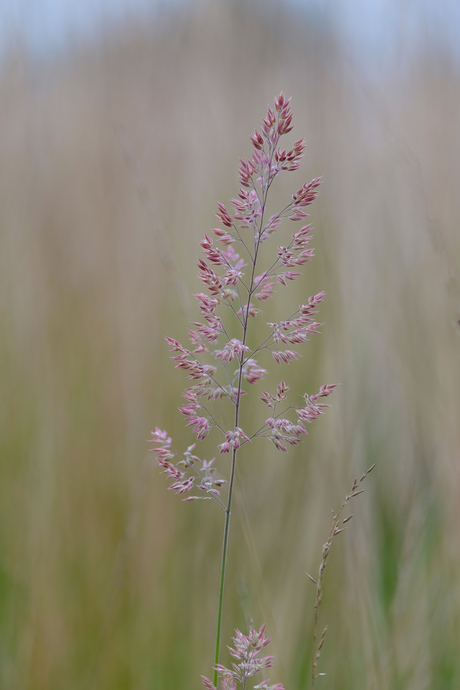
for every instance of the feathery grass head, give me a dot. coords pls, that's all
(245, 651)
(219, 360)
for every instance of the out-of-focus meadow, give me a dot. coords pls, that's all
(113, 158)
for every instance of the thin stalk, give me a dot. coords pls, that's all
(258, 233)
(224, 562)
(228, 510)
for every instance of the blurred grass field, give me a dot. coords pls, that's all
(113, 160)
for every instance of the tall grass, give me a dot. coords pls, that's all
(112, 161)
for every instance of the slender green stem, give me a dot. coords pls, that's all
(250, 291)
(224, 561)
(232, 474)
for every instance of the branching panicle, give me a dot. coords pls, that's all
(232, 279)
(245, 650)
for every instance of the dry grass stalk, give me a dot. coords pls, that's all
(336, 528)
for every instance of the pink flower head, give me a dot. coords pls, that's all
(224, 215)
(313, 409)
(234, 258)
(213, 254)
(207, 304)
(232, 350)
(212, 331)
(301, 238)
(183, 486)
(257, 141)
(233, 440)
(252, 372)
(264, 285)
(287, 275)
(177, 347)
(209, 278)
(306, 194)
(285, 356)
(248, 209)
(200, 426)
(248, 310)
(245, 651)
(232, 276)
(269, 132)
(283, 108)
(160, 436)
(325, 390)
(290, 160)
(223, 236)
(289, 259)
(247, 170)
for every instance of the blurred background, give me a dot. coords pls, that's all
(121, 126)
